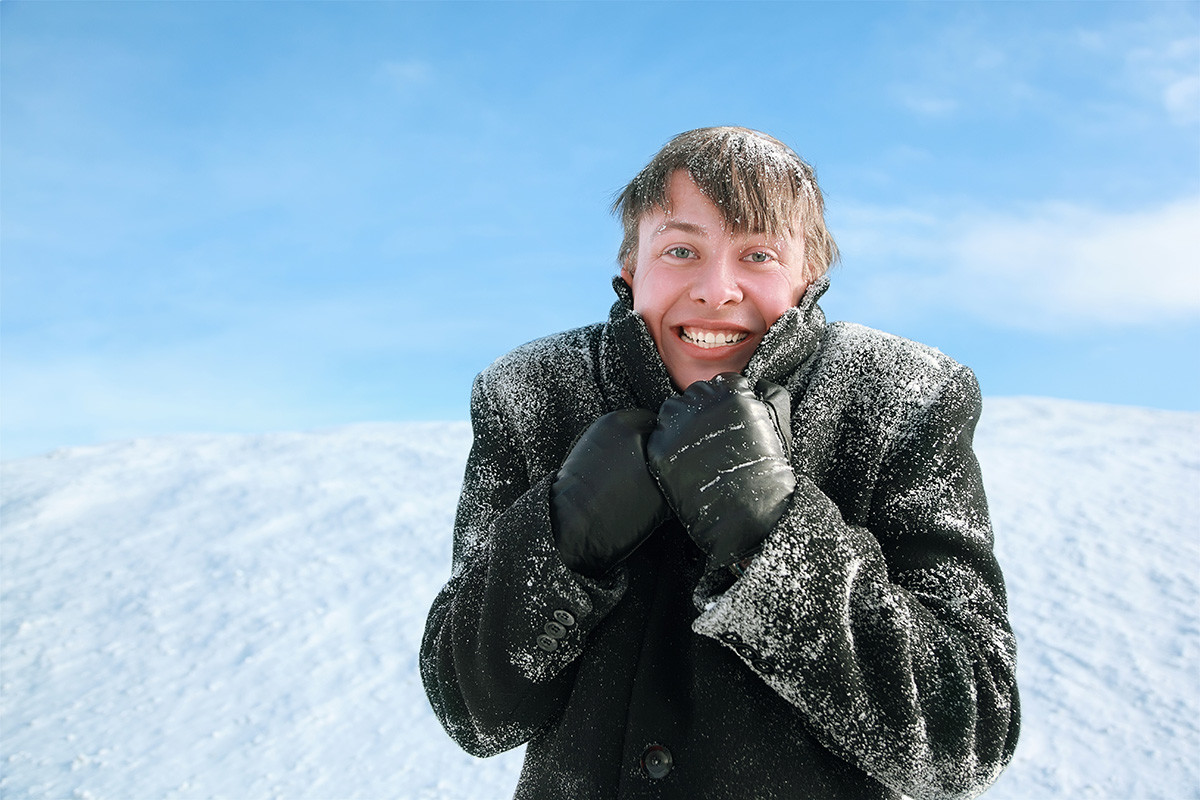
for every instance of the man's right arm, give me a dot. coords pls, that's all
(503, 633)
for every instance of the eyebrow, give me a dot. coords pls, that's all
(680, 225)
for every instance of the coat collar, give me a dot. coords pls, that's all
(630, 359)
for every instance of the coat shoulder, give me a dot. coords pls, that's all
(882, 386)
(884, 352)
(543, 393)
(560, 363)
(886, 366)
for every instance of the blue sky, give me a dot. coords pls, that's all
(228, 216)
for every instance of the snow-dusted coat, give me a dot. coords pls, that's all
(866, 651)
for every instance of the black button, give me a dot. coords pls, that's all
(547, 644)
(730, 637)
(564, 618)
(745, 651)
(656, 761)
(765, 665)
(555, 630)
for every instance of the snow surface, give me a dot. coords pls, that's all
(239, 616)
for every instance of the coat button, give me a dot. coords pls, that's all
(765, 665)
(564, 618)
(656, 761)
(547, 644)
(555, 630)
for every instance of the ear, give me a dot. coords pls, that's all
(809, 255)
(627, 275)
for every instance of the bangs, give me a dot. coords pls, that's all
(757, 188)
(758, 184)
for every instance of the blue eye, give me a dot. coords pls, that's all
(759, 257)
(680, 252)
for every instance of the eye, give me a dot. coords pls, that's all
(679, 251)
(759, 257)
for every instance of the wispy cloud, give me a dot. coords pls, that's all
(925, 101)
(965, 68)
(1171, 73)
(1055, 266)
(1082, 265)
(1182, 98)
(404, 75)
(1153, 61)
(978, 64)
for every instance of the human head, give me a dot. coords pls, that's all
(706, 294)
(758, 183)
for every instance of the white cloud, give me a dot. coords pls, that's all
(404, 75)
(1072, 264)
(982, 64)
(968, 67)
(1182, 99)
(924, 102)
(1056, 266)
(1169, 72)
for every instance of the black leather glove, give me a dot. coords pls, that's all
(604, 502)
(722, 455)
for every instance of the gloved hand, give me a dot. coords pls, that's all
(722, 455)
(604, 502)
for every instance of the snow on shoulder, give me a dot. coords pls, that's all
(240, 616)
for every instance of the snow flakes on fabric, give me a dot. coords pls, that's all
(879, 595)
(875, 610)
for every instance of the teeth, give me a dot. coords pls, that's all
(709, 339)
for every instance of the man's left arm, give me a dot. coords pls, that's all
(892, 640)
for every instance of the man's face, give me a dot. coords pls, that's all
(708, 295)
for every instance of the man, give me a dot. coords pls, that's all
(716, 548)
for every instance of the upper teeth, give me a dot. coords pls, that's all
(711, 338)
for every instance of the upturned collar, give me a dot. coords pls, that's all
(631, 357)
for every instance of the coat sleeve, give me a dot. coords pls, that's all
(490, 682)
(891, 639)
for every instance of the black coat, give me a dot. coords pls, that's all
(865, 653)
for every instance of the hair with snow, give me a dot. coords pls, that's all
(758, 183)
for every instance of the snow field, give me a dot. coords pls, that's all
(1096, 513)
(232, 617)
(239, 616)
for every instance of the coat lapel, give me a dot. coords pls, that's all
(635, 374)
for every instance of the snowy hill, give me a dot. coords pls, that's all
(239, 616)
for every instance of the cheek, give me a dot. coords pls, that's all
(653, 294)
(774, 296)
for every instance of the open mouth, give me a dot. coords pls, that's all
(711, 339)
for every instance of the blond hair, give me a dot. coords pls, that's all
(759, 184)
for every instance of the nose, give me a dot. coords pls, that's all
(715, 283)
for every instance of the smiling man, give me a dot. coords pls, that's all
(716, 548)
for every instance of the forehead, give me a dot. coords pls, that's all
(689, 210)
